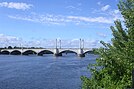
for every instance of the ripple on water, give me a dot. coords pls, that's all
(48, 72)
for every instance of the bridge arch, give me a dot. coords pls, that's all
(88, 52)
(5, 52)
(15, 52)
(67, 51)
(45, 52)
(28, 52)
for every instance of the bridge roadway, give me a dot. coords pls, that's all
(56, 51)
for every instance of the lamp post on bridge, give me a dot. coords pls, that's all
(80, 43)
(80, 51)
(56, 43)
(60, 43)
(83, 43)
(21, 47)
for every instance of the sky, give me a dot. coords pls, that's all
(39, 22)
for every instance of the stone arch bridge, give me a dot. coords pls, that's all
(56, 51)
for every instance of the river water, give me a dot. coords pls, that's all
(47, 72)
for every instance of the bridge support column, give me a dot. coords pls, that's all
(39, 54)
(56, 55)
(56, 52)
(81, 53)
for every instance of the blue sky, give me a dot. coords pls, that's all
(40, 22)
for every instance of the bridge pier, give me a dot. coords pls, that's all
(57, 55)
(81, 55)
(39, 54)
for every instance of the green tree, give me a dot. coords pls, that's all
(9, 47)
(113, 69)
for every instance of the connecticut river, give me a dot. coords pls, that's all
(47, 72)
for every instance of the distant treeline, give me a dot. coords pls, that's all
(15, 47)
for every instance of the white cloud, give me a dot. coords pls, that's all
(116, 11)
(16, 5)
(74, 8)
(116, 15)
(71, 7)
(75, 43)
(45, 19)
(94, 43)
(113, 14)
(61, 20)
(106, 7)
(6, 40)
(99, 3)
(102, 35)
(90, 19)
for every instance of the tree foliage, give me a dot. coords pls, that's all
(9, 47)
(113, 69)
